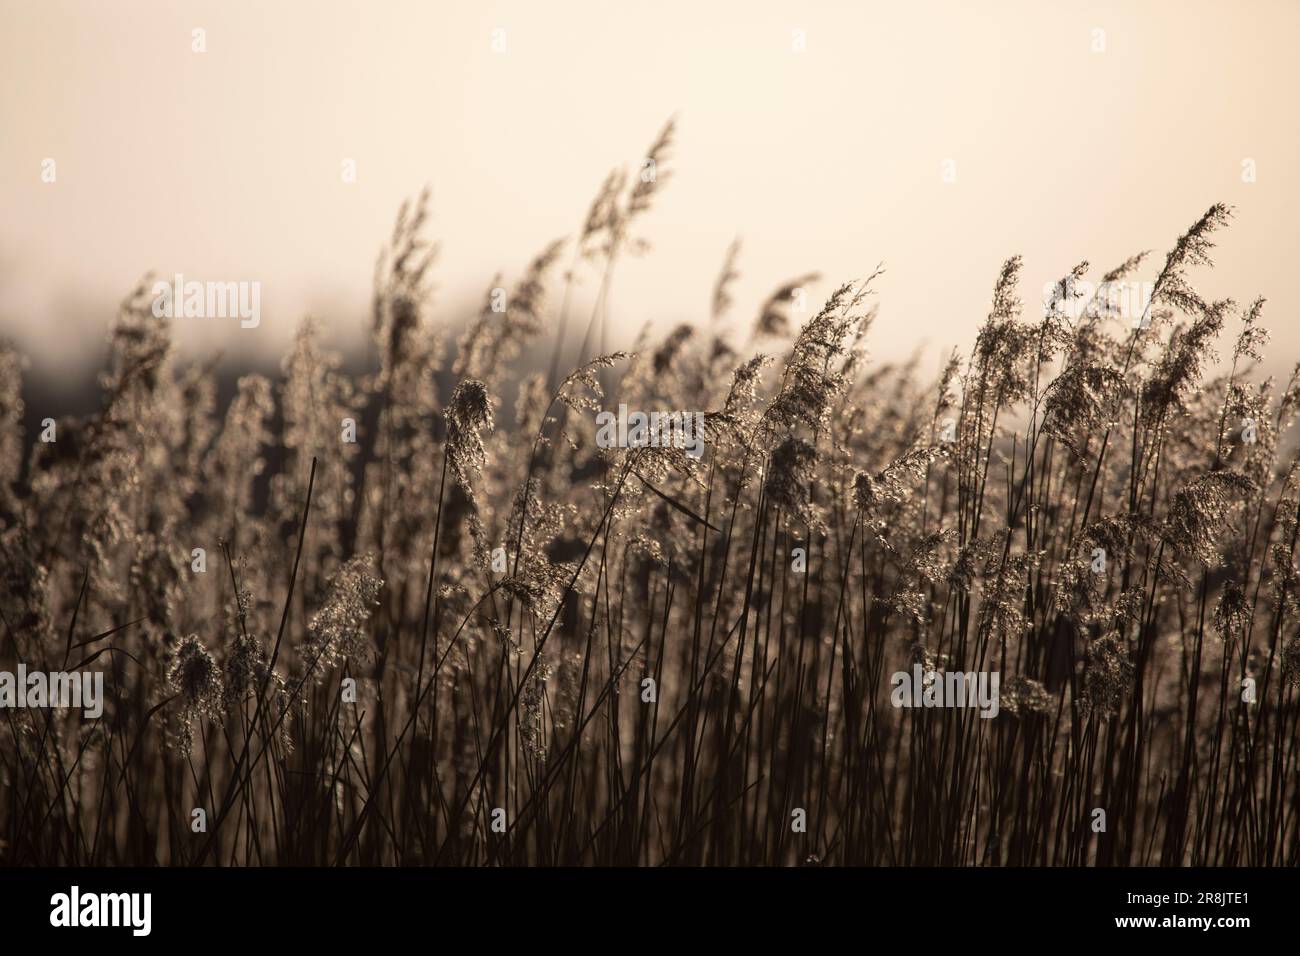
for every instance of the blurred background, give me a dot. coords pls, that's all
(1071, 130)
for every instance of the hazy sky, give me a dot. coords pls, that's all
(226, 164)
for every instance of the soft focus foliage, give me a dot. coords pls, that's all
(616, 645)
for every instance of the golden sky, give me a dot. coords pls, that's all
(226, 164)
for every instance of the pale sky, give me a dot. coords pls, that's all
(225, 165)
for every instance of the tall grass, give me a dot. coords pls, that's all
(616, 655)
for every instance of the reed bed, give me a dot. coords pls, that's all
(474, 636)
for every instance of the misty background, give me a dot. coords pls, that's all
(226, 164)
